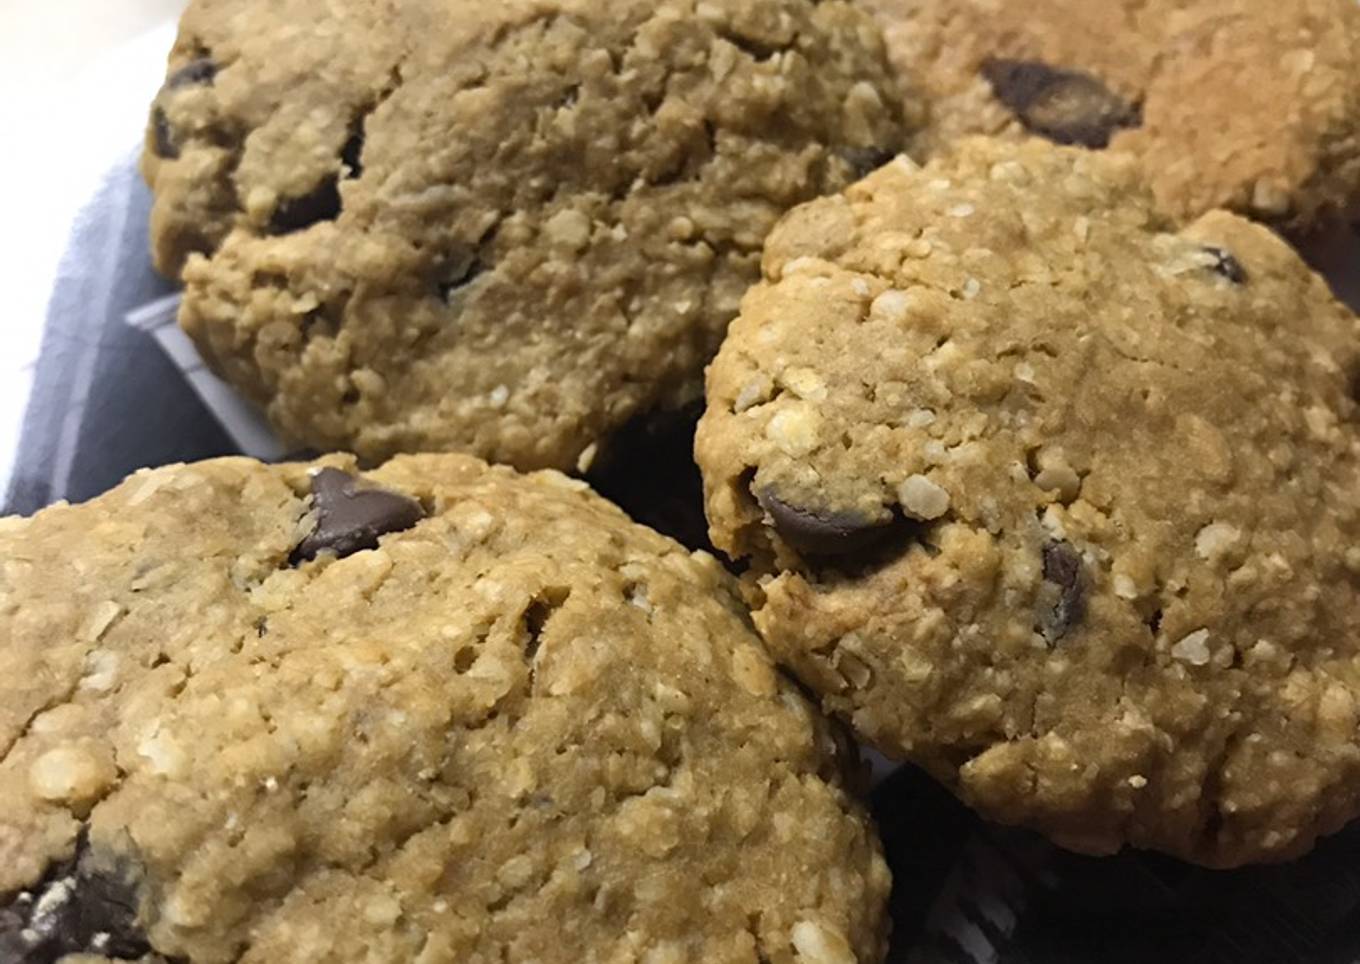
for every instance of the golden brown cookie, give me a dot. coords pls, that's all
(436, 713)
(1245, 104)
(1056, 499)
(503, 228)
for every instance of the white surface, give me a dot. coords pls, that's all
(60, 143)
(47, 41)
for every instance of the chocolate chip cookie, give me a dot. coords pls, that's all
(1244, 104)
(1057, 499)
(502, 228)
(439, 712)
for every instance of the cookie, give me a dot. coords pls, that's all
(1241, 104)
(1057, 499)
(507, 229)
(440, 712)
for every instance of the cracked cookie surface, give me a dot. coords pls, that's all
(504, 229)
(1241, 104)
(1056, 499)
(439, 712)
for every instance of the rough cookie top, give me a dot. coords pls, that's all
(1055, 499)
(441, 712)
(498, 228)
(1244, 104)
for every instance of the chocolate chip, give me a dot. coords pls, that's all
(821, 534)
(351, 518)
(197, 72)
(1066, 106)
(322, 203)
(81, 906)
(864, 161)
(163, 138)
(1062, 601)
(1227, 265)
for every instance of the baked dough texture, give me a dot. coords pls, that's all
(1056, 499)
(1248, 105)
(499, 228)
(438, 712)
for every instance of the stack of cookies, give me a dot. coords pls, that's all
(1027, 437)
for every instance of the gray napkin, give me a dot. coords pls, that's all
(106, 400)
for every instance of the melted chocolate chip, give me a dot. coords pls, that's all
(350, 518)
(1063, 603)
(81, 906)
(821, 534)
(322, 203)
(196, 73)
(163, 138)
(1065, 106)
(1227, 265)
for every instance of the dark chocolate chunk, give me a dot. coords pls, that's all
(864, 161)
(1227, 265)
(163, 137)
(197, 72)
(1065, 106)
(81, 906)
(322, 203)
(1063, 603)
(821, 534)
(351, 518)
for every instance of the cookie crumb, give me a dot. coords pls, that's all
(100, 620)
(890, 306)
(71, 775)
(922, 499)
(795, 429)
(818, 944)
(1216, 539)
(753, 393)
(1194, 648)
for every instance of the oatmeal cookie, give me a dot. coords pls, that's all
(439, 712)
(1057, 499)
(1243, 104)
(506, 229)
